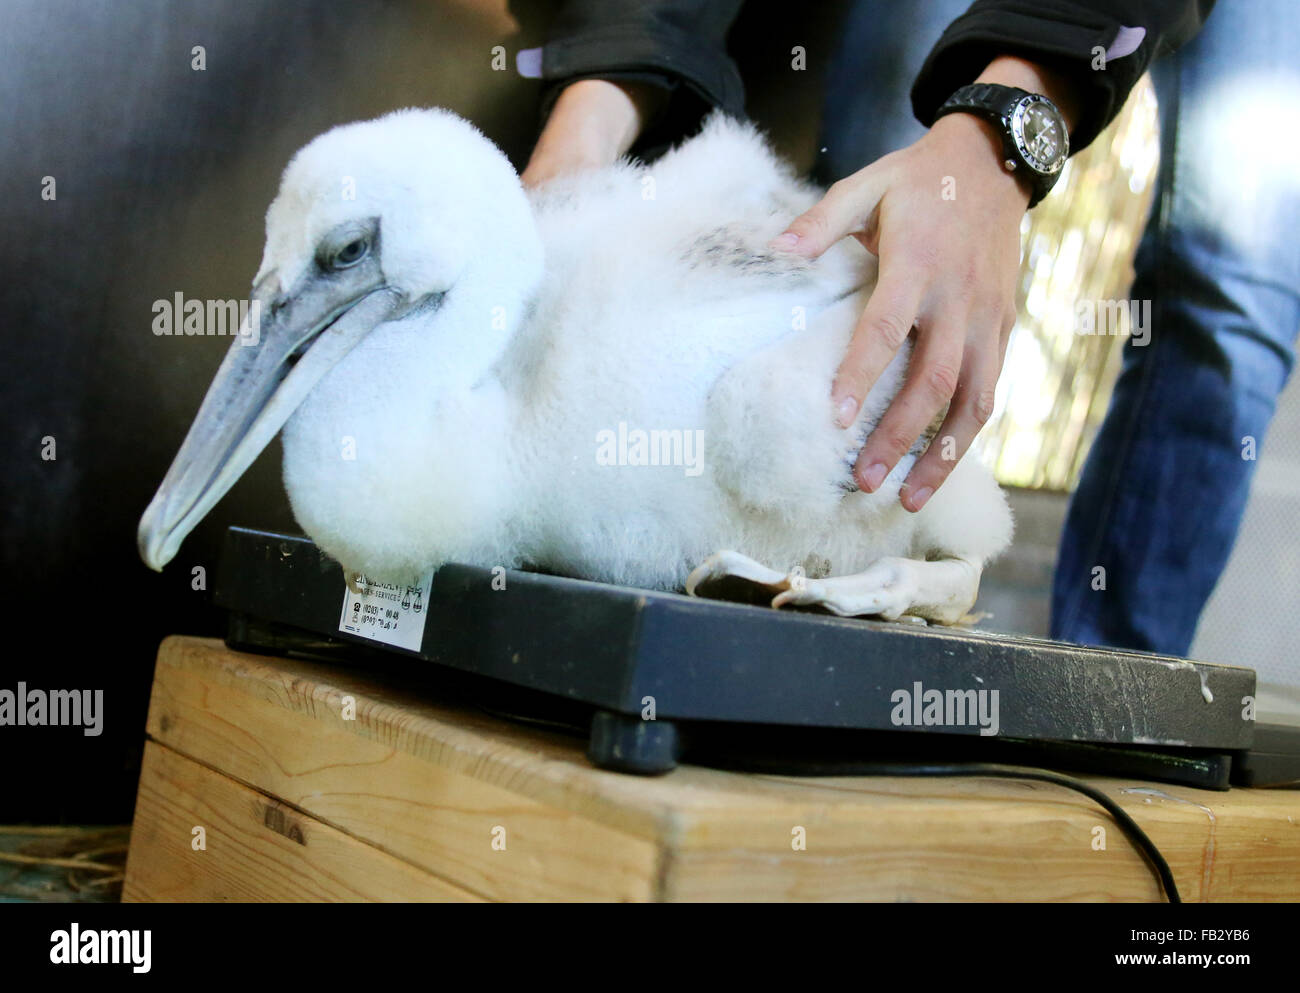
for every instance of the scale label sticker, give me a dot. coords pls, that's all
(393, 615)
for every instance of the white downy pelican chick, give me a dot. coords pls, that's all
(464, 373)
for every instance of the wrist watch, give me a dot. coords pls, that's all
(1035, 137)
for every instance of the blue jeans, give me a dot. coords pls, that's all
(866, 107)
(1164, 486)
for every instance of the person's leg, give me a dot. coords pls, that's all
(1165, 484)
(866, 108)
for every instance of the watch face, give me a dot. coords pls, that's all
(1040, 134)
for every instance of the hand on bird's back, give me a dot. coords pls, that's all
(944, 219)
(943, 216)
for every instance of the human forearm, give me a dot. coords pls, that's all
(1101, 46)
(593, 123)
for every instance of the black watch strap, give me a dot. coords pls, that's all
(992, 100)
(997, 103)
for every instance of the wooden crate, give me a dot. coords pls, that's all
(415, 800)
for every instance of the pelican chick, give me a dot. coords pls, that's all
(456, 366)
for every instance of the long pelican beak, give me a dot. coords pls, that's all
(267, 373)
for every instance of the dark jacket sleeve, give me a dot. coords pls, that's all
(677, 45)
(1065, 36)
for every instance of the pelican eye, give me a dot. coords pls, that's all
(350, 254)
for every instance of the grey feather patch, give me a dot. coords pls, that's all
(741, 249)
(927, 436)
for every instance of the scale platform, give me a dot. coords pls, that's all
(652, 678)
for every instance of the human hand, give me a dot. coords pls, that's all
(592, 124)
(943, 216)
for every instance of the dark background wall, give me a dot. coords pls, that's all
(163, 176)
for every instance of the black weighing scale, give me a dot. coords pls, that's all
(742, 686)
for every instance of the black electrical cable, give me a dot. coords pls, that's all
(1129, 826)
